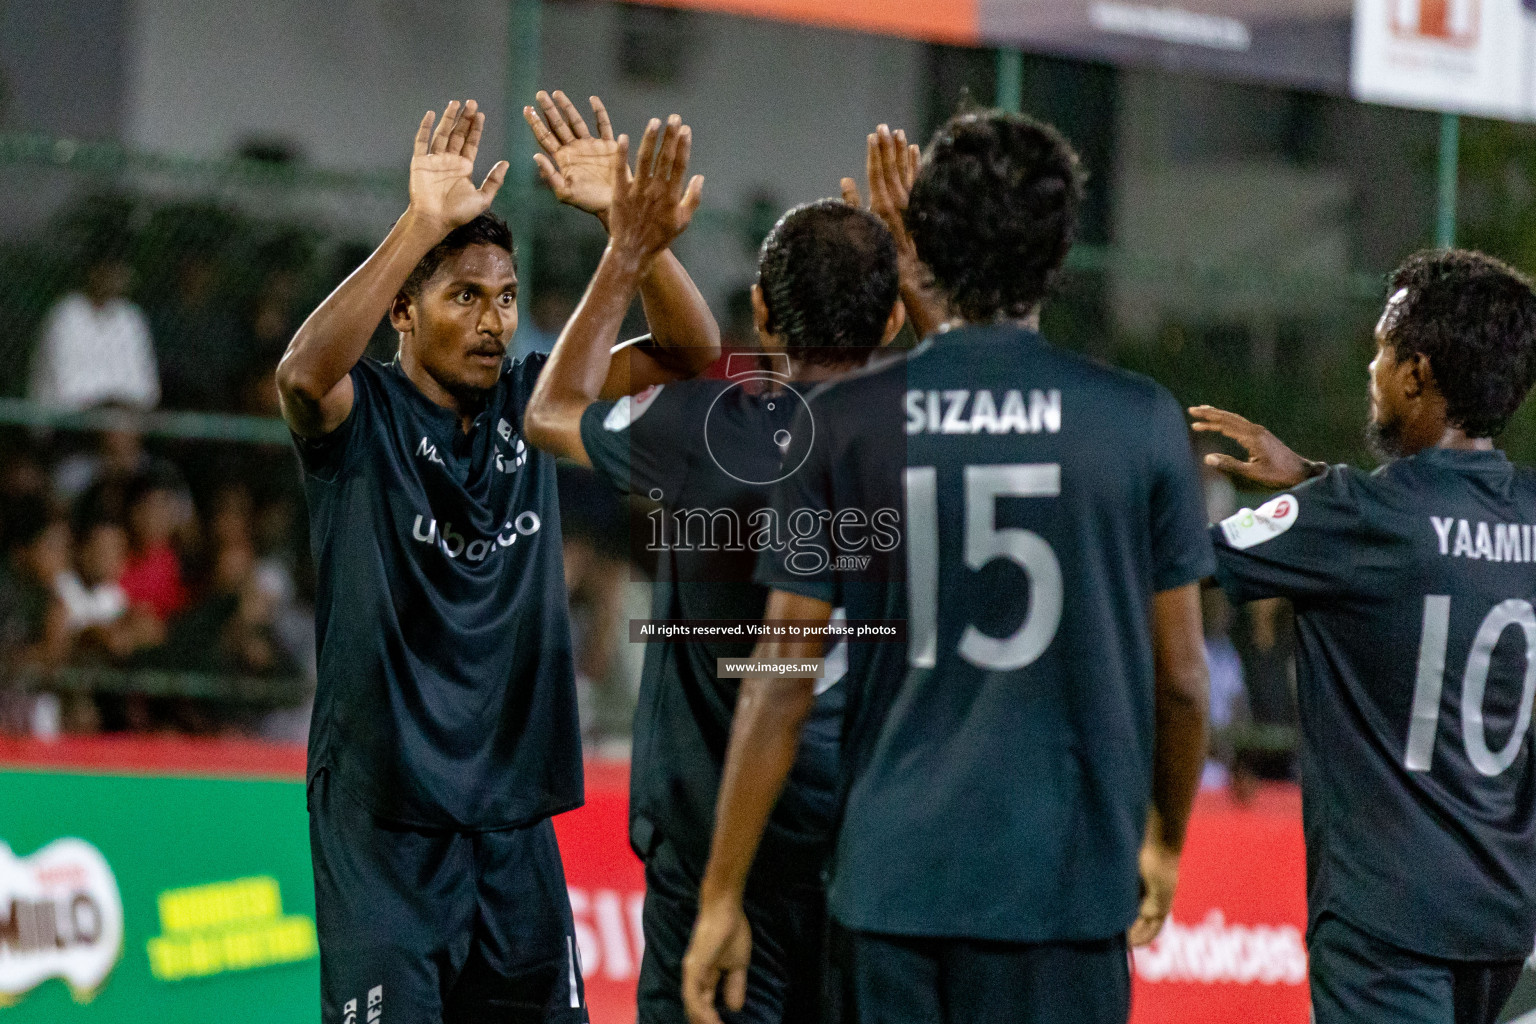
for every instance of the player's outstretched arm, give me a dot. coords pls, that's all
(647, 212)
(891, 165)
(580, 170)
(765, 734)
(312, 379)
(1183, 697)
(1270, 463)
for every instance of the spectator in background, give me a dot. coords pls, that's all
(232, 630)
(1268, 642)
(274, 316)
(1229, 705)
(33, 631)
(95, 346)
(98, 615)
(118, 455)
(198, 340)
(548, 312)
(153, 576)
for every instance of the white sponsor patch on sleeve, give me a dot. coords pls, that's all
(1250, 527)
(630, 408)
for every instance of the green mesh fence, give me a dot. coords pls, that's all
(228, 256)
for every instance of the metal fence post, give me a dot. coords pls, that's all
(1450, 155)
(524, 40)
(1010, 80)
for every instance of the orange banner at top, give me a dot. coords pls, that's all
(950, 21)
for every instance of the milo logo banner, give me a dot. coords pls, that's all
(131, 896)
(60, 917)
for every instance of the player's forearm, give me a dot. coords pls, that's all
(1183, 686)
(687, 337)
(334, 337)
(1180, 758)
(579, 363)
(765, 735)
(925, 311)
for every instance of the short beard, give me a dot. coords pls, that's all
(1385, 440)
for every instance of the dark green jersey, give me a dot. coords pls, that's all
(1018, 506)
(706, 452)
(1413, 589)
(446, 695)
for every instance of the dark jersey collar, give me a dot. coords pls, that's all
(1004, 333)
(441, 416)
(1463, 460)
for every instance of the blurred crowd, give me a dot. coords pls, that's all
(1251, 653)
(154, 587)
(155, 594)
(164, 584)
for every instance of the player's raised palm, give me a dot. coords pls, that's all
(891, 166)
(649, 211)
(442, 166)
(1270, 463)
(578, 167)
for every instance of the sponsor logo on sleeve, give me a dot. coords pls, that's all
(1250, 527)
(61, 916)
(629, 409)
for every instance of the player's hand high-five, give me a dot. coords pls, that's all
(577, 166)
(653, 206)
(645, 212)
(1270, 463)
(442, 188)
(891, 165)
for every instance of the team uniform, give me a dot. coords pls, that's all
(705, 452)
(1413, 590)
(997, 764)
(445, 731)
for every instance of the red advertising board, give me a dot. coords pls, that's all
(1232, 951)
(1233, 948)
(607, 886)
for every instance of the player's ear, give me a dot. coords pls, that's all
(1418, 377)
(402, 313)
(760, 317)
(894, 323)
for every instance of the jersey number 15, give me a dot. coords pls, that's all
(984, 541)
(1425, 721)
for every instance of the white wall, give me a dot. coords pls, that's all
(776, 109)
(344, 80)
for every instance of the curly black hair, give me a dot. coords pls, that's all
(1474, 317)
(994, 211)
(486, 229)
(829, 280)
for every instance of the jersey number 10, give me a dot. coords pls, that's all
(983, 542)
(1425, 721)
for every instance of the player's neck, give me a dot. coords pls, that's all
(815, 373)
(1456, 438)
(466, 405)
(1028, 323)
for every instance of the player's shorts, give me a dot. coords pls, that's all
(892, 979)
(437, 925)
(784, 981)
(1363, 980)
